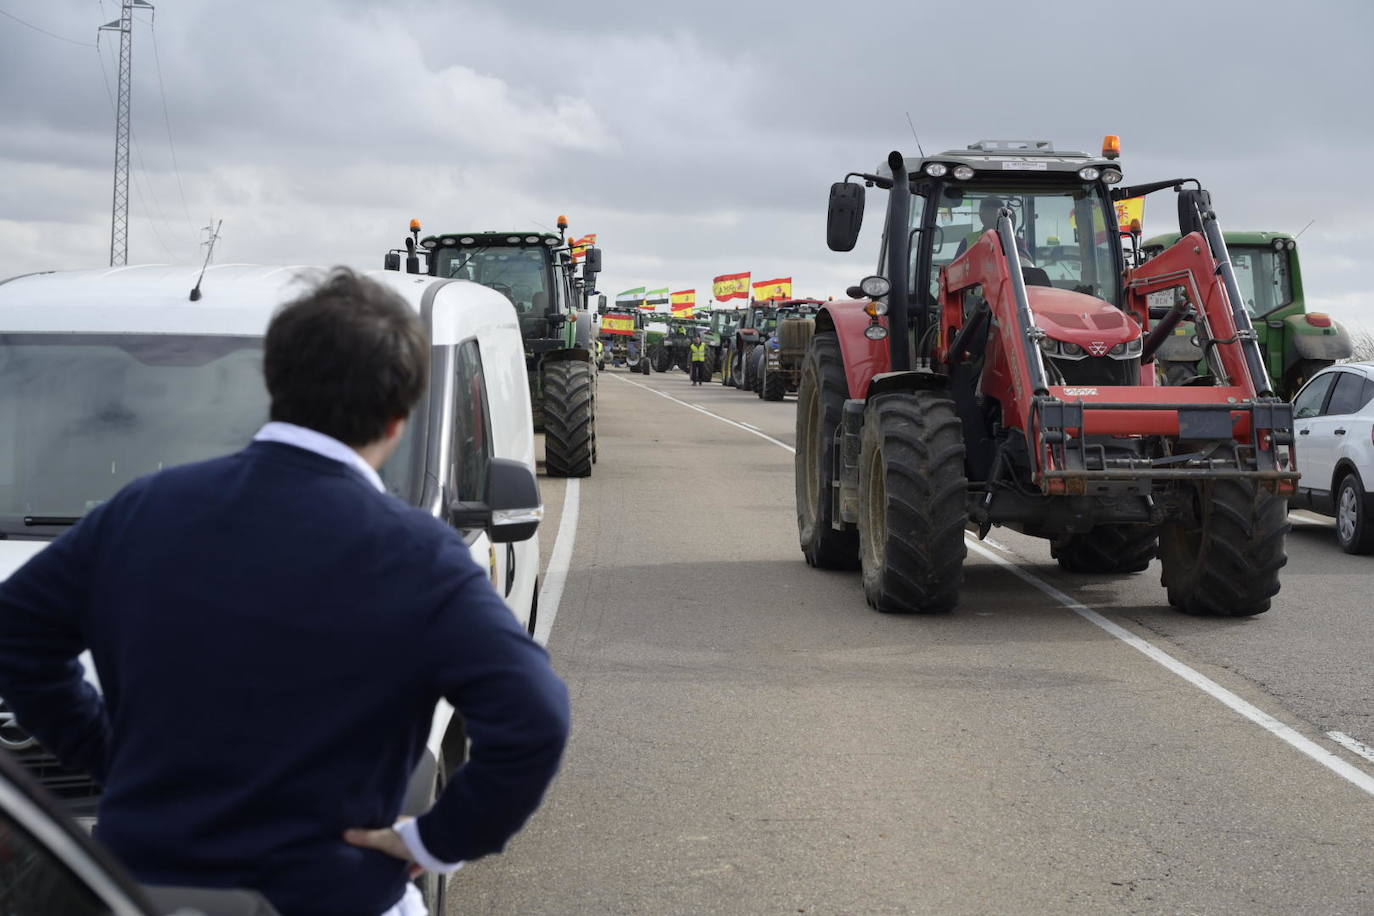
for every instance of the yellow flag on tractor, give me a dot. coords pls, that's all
(684, 303)
(613, 323)
(780, 288)
(580, 246)
(731, 286)
(1130, 213)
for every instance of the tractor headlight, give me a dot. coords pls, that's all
(875, 332)
(1278, 244)
(1117, 350)
(1071, 349)
(963, 172)
(1049, 345)
(1089, 173)
(875, 287)
(936, 169)
(1290, 244)
(1111, 176)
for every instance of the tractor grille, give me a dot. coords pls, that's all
(1098, 370)
(77, 790)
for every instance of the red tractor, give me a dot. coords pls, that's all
(998, 370)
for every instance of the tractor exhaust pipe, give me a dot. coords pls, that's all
(898, 259)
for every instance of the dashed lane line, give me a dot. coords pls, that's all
(556, 576)
(1283, 732)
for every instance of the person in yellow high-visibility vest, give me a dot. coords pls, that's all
(700, 374)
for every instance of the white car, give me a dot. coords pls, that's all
(108, 375)
(1334, 427)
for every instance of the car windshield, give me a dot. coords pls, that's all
(1061, 231)
(81, 415)
(1263, 277)
(517, 272)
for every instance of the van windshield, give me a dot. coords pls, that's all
(81, 415)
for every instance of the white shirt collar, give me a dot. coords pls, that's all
(320, 444)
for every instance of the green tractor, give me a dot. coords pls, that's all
(537, 272)
(719, 331)
(1295, 343)
(674, 349)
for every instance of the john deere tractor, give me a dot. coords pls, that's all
(1295, 342)
(536, 271)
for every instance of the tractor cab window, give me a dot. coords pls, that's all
(1063, 238)
(522, 274)
(1263, 277)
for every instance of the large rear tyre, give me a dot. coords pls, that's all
(820, 401)
(1107, 549)
(1223, 558)
(569, 433)
(774, 385)
(662, 359)
(643, 367)
(911, 503)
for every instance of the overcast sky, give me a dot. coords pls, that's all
(696, 139)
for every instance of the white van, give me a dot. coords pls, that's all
(108, 375)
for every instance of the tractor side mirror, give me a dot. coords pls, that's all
(1192, 203)
(845, 215)
(392, 261)
(592, 265)
(601, 306)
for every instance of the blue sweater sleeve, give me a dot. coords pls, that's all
(515, 710)
(41, 609)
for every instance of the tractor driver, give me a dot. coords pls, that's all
(988, 211)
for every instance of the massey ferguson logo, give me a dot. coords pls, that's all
(1098, 348)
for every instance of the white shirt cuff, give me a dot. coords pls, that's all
(410, 835)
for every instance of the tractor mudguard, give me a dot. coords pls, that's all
(913, 380)
(1307, 341)
(863, 358)
(555, 356)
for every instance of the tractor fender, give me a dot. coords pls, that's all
(907, 381)
(864, 359)
(1310, 342)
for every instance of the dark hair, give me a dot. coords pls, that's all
(346, 358)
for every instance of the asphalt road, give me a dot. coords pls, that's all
(750, 738)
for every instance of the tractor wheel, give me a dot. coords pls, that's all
(737, 369)
(911, 503)
(1298, 375)
(726, 364)
(1107, 549)
(774, 385)
(820, 400)
(758, 361)
(644, 367)
(662, 359)
(1224, 558)
(568, 421)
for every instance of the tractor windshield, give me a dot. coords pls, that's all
(1063, 233)
(1263, 277)
(521, 273)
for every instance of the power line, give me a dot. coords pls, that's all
(79, 44)
(166, 120)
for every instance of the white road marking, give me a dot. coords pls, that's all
(556, 576)
(1351, 744)
(750, 426)
(1285, 733)
(735, 423)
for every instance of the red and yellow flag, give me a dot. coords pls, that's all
(580, 246)
(780, 288)
(731, 286)
(617, 323)
(684, 303)
(1130, 211)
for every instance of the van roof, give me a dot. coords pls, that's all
(236, 300)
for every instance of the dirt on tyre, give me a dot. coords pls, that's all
(820, 401)
(1223, 558)
(569, 435)
(1107, 549)
(911, 503)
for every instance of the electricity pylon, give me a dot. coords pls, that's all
(119, 209)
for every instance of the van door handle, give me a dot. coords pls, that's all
(1303, 432)
(1340, 432)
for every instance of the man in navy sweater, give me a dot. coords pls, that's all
(272, 633)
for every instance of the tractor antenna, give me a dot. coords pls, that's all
(209, 253)
(1304, 229)
(913, 135)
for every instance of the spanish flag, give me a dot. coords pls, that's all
(617, 323)
(580, 246)
(684, 303)
(780, 288)
(1129, 212)
(731, 286)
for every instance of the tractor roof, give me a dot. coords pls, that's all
(1003, 156)
(1232, 238)
(490, 237)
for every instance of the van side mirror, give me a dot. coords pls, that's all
(592, 264)
(392, 261)
(845, 215)
(513, 496)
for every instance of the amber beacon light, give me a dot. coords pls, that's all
(1111, 147)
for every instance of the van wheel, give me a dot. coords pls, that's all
(568, 430)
